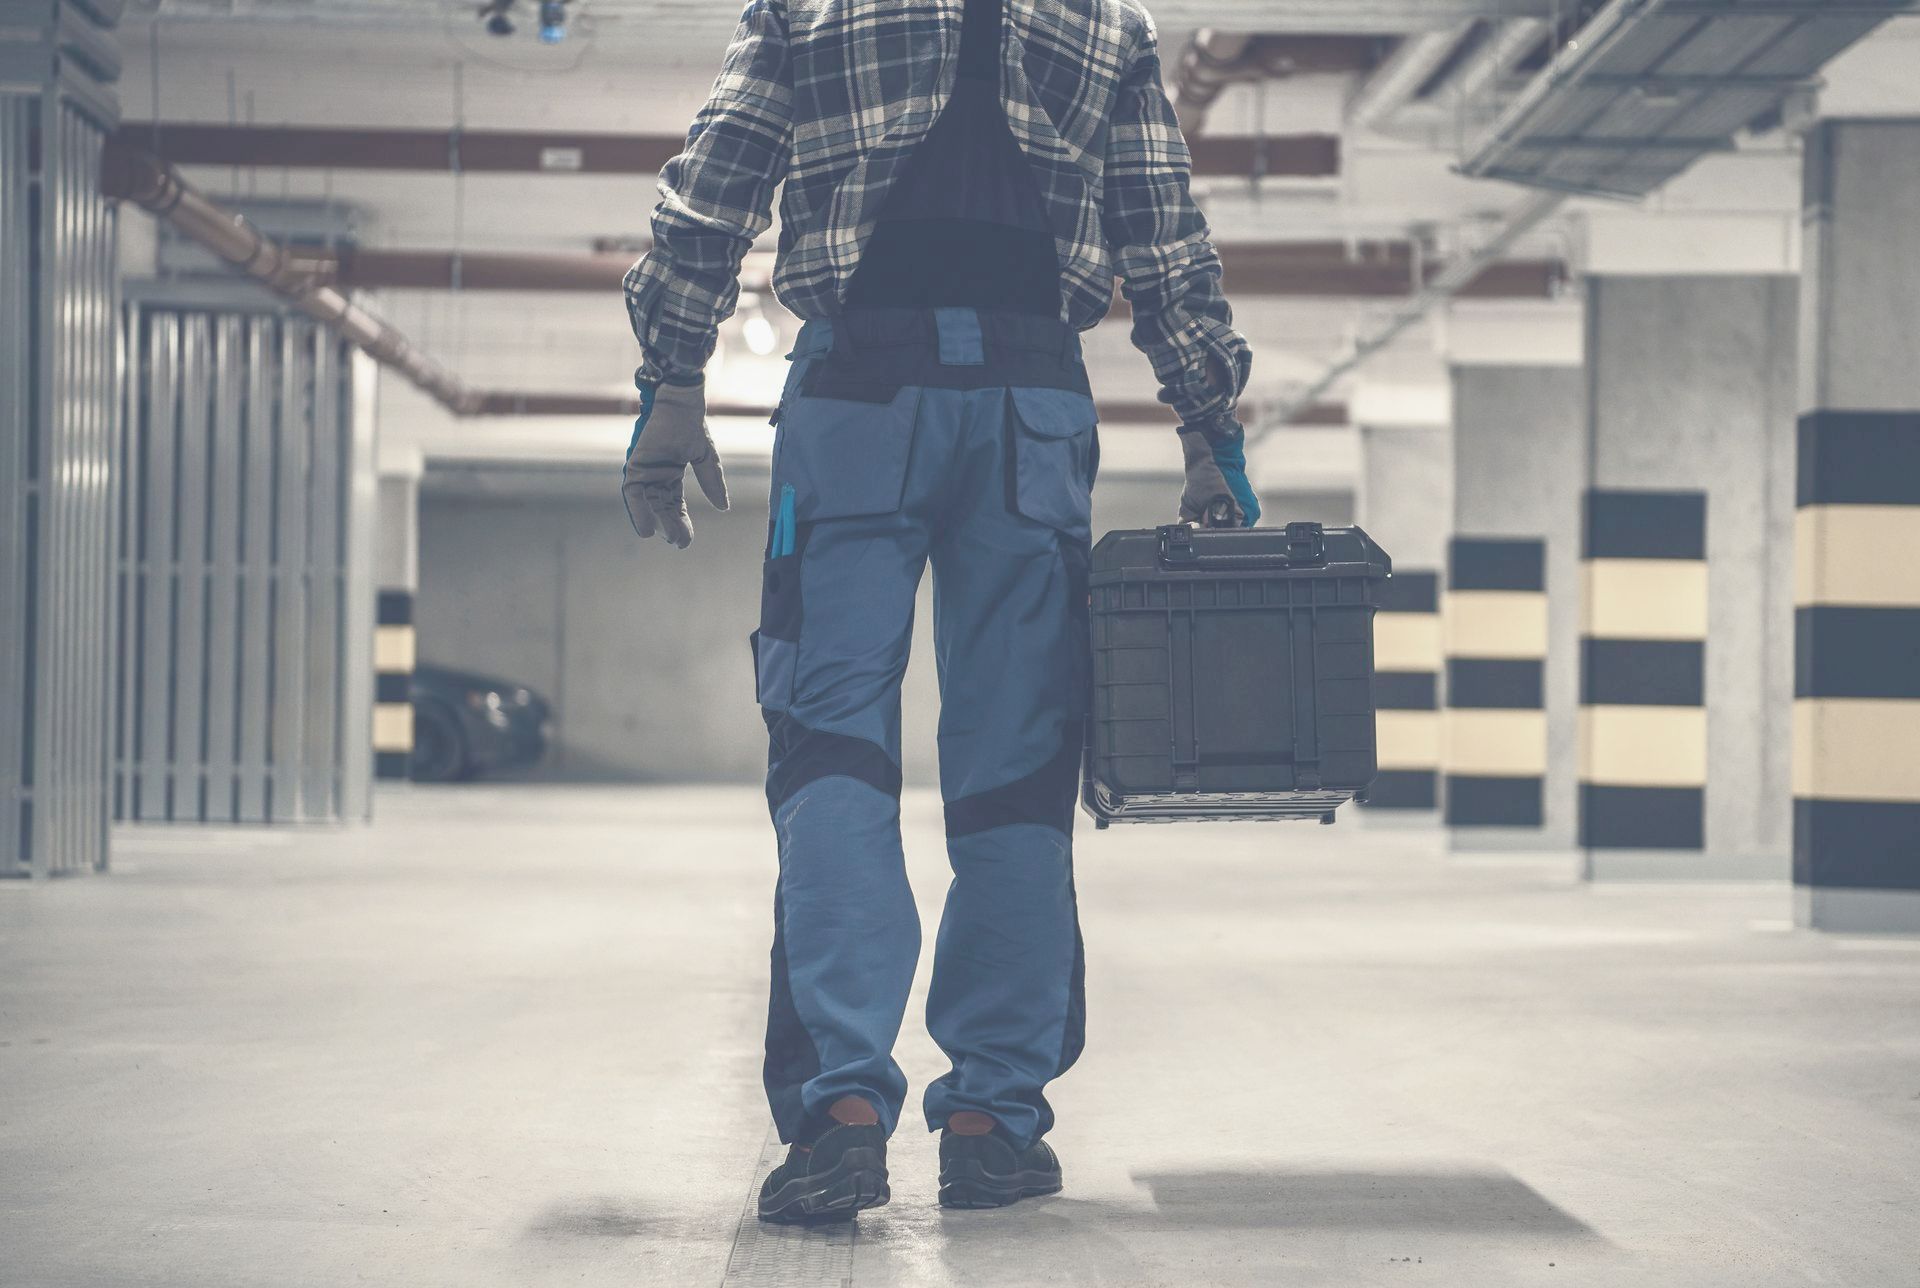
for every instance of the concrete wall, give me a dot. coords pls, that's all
(1693, 386)
(536, 577)
(1519, 467)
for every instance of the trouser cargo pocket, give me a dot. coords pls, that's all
(834, 460)
(1052, 459)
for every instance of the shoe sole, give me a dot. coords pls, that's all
(971, 1187)
(856, 1183)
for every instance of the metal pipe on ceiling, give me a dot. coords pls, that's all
(1402, 74)
(1215, 59)
(131, 175)
(1479, 75)
(1211, 62)
(1450, 282)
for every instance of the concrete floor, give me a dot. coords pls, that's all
(510, 1036)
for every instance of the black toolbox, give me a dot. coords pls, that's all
(1232, 673)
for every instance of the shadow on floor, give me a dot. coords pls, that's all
(601, 1218)
(1467, 1201)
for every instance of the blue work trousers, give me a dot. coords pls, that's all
(966, 440)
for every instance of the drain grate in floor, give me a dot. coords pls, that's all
(787, 1255)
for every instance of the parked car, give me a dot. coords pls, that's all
(465, 725)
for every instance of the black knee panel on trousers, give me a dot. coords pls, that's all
(1046, 796)
(801, 755)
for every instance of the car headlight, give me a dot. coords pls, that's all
(490, 704)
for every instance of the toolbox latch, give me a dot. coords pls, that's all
(1306, 543)
(1176, 543)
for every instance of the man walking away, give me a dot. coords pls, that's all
(964, 181)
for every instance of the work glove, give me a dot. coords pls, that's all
(670, 435)
(1217, 494)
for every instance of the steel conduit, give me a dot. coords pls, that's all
(131, 175)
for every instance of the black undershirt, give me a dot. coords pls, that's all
(964, 225)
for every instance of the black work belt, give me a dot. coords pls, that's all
(870, 355)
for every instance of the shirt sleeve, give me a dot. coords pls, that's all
(716, 199)
(1165, 256)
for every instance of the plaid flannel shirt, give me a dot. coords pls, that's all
(832, 96)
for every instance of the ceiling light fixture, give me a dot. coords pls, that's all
(757, 328)
(496, 15)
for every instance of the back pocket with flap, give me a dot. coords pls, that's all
(843, 459)
(1055, 456)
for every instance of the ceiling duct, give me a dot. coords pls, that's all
(1648, 87)
(1478, 77)
(1216, 59)
(1405, 72)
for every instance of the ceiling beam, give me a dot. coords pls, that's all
(303, 280)
(1297, 156)
(1317, 269)
(649, 19)
(529, 403)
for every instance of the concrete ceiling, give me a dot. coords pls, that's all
(648, 19)
(643, 66)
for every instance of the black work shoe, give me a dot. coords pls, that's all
(989, 1172)
(840, 1172)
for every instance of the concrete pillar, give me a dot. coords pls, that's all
(1495, 751)
(1689, 421)
(1856, 752)
(1643, 716)
(1405, 503)
(1519, 467)
(397, 576)
(59, 441)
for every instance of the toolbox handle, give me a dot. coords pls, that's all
(1306, 547)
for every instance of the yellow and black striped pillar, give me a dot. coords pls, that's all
(1856, 728)
(1643, 646)
(393, 658)
(1495, 753)
(1406, 689)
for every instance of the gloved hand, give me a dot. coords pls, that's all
(670, 435)
(1217, 487)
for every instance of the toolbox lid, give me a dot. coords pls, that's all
(1296, 550)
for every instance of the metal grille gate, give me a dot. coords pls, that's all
(58, 416)
(242, 660)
